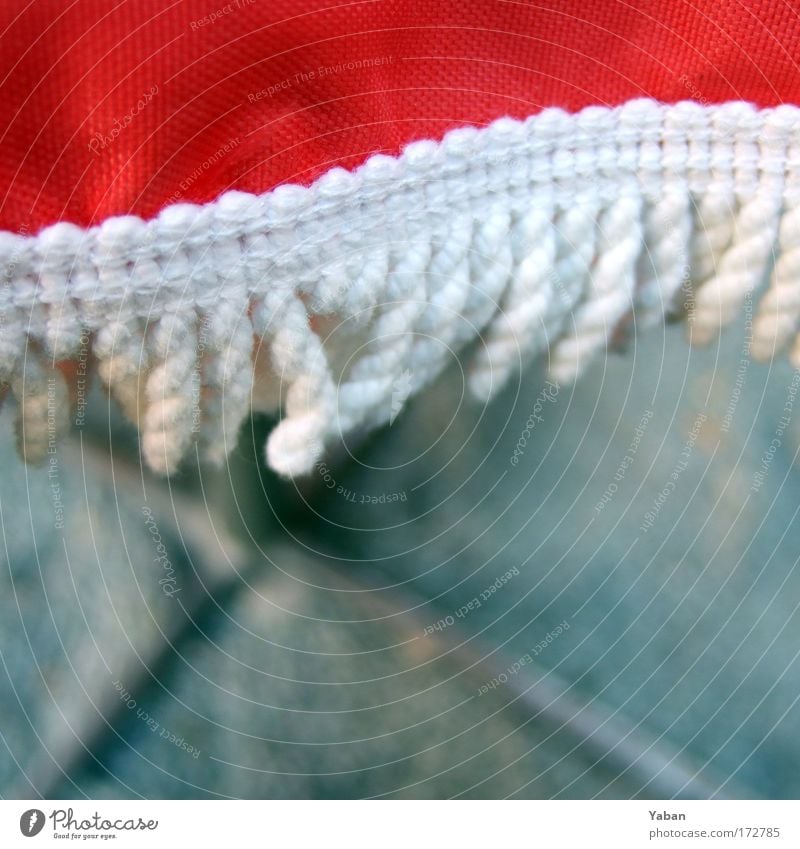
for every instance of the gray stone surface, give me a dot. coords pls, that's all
(305, 692)
(686, 629)
(80, 605)
(300, 658)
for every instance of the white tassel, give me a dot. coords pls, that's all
(367, 391)
(520, 324)
(542, 234)
(227, 374)
(43, 398)
(123, 363)
(752, 236)
(779, 308)
(299, 361)
(664, 261)
(716, 209)
(173, 392)
(18, 290)
(442, 326)
(490, 264)
(613, 283)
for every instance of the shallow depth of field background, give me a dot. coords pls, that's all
(305, 640)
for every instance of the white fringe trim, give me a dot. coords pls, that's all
(544, 234)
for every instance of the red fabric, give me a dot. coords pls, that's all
(70, 70)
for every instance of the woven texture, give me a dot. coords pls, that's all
(120, 108)
(343, 299)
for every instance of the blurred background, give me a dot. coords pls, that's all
(573, 592)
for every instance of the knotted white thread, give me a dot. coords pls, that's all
(443, 326)
(521, 322)
(780, 306)
(612, 286)
(43, 414)
(172, 392)
(759, 190)
(549, 233)
(310, 399)
(664, 262)
(123, 364)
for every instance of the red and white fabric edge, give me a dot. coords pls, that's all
(543, 235)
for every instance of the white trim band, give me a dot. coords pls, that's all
(543, 234)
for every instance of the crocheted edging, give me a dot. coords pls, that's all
(538, 235)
